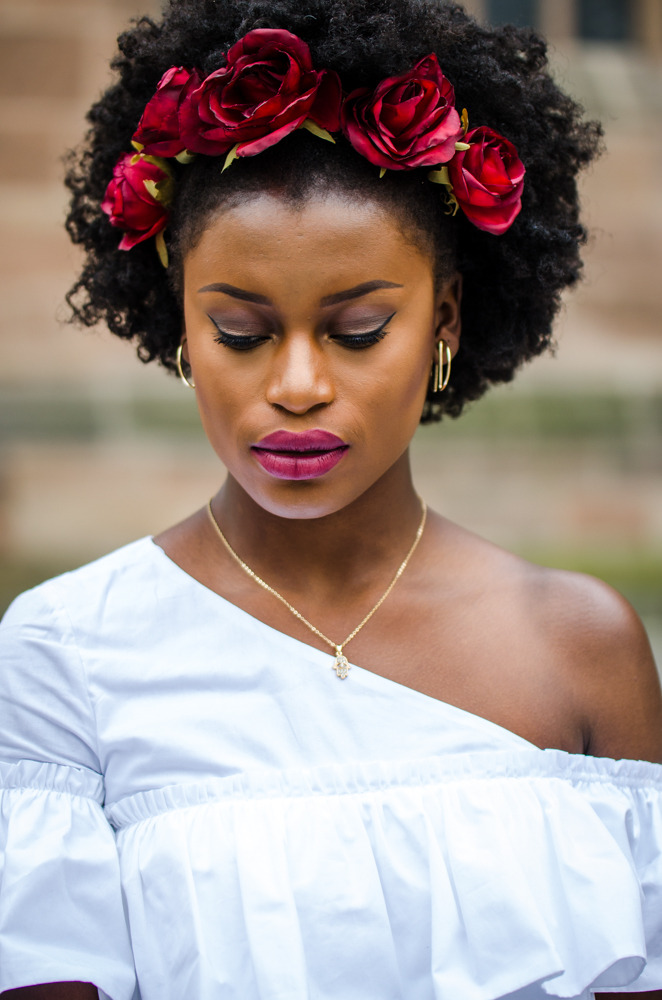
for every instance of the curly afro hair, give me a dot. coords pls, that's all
(512, 283)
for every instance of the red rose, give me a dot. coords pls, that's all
(158, 129)
(267, 89)
(406, 121)
(137, 198)
(487, 180)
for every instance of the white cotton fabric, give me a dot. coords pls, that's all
(194, 807)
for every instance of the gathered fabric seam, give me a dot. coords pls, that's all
(366, 793)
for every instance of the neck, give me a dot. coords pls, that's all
(347, 548)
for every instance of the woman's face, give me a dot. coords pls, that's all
(311, 332)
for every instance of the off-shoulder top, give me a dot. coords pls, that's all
(194, 807)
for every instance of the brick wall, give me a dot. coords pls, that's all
(54, 59)
(558, 20)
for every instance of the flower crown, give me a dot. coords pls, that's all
(267, 89)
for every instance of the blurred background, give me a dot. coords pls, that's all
(564, 466)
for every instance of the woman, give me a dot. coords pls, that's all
(344, 748)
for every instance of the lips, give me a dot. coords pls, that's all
(305, 455)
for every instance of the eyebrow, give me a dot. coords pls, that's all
(357, 291)
(329, 300)
(236, 293)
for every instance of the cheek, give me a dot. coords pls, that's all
(404, 379)
(389, 402)
(415, 380)
(223, 400)
(223, 408)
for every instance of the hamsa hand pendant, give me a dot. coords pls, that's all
(341, 665)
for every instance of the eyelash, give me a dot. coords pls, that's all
(235, 342)
(356, 342)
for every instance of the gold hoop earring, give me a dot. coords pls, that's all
(178, 359)
(441, 378)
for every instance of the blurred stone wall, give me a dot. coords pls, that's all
(54, 57)
(97, 449)
(560, 20)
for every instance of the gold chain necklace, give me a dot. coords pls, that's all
(341, 664)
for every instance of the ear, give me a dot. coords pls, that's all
(448, 317)
(185, 349)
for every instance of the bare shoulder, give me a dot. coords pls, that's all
(603, 649)
(561, 657)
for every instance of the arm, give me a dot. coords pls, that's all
(53, 831)
(608, 665)
(54, 991)
(624, 700)
(612, 670)
(624, 706)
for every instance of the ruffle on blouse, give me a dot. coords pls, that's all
(530, 873)
(61, 910)
(523, 874)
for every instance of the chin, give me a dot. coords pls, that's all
(303, 499)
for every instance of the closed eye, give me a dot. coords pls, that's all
(358, 341)
(237, 341)
(353, 341)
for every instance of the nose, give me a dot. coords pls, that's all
(299, 379)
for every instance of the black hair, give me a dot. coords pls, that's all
(512, 283)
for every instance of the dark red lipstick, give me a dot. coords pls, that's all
(305, 455)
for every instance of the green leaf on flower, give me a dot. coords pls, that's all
(321, 133)
(440, 176)
(460, 146)
(230, 158)
(185, 157)
(382, 172)
(452, 203)
(161, 191)
(464, 118)
(152, 189)
(138, 146)
(161, 248)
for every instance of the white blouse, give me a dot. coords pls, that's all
(194, 807)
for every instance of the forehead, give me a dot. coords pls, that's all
(321, 239)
